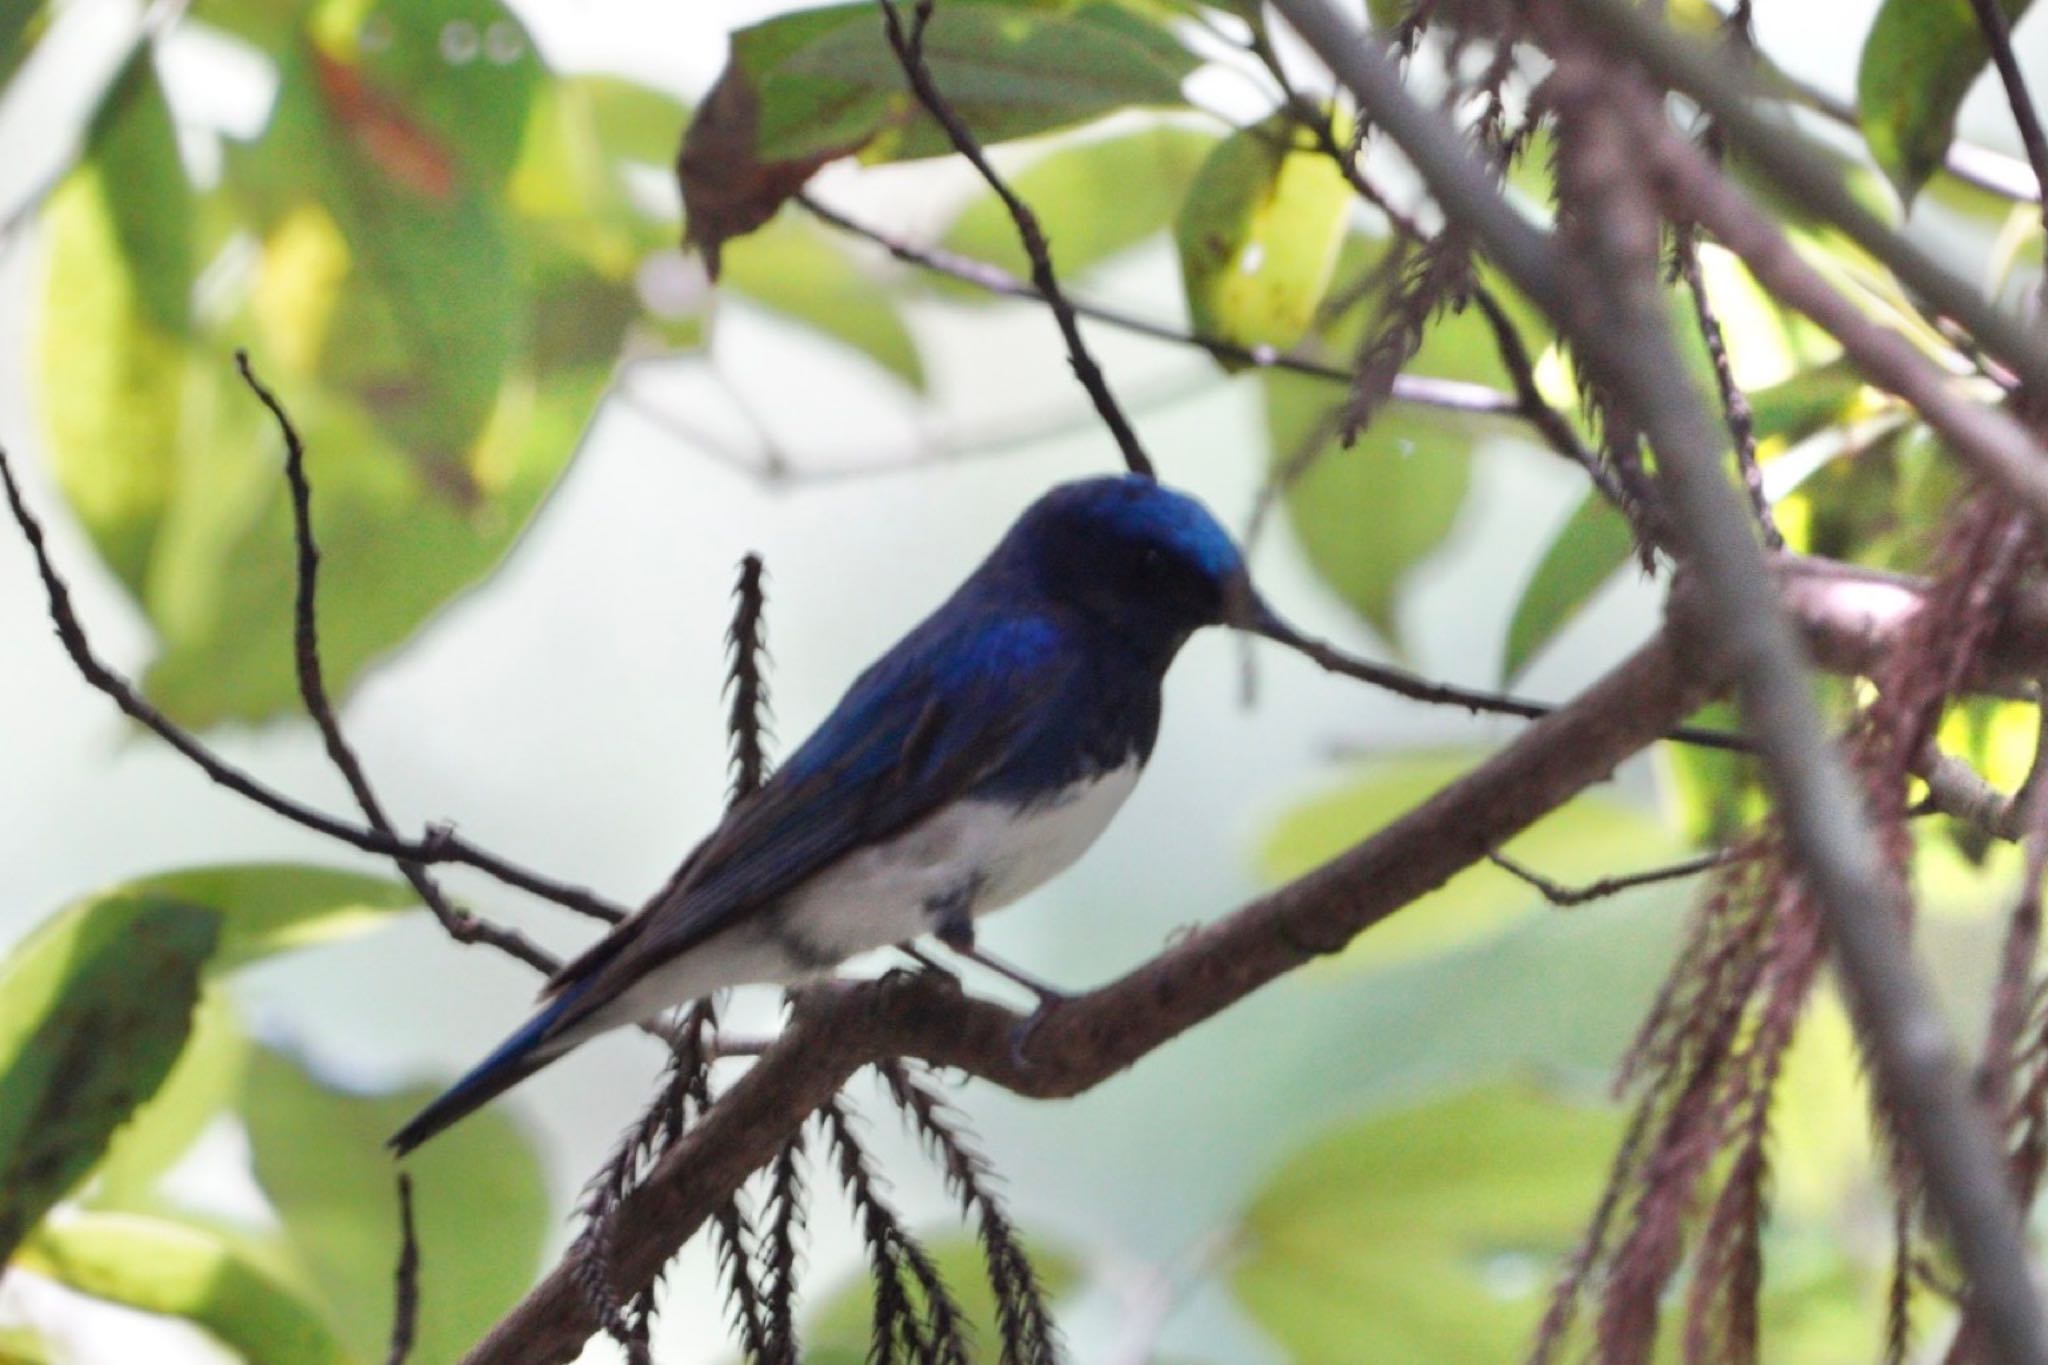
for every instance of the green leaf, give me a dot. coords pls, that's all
(188, 1271)
(791, 268)
(480, 1205)
(1093, 200)
(280, 907)
(93, 1012)
(204, 1083)
(1368, 516)
(117, 383)
(1716, 794)
(837, 1331)
(1919, 60)
(22, 23)
(802, 89)
(1259, 235)
(394, 550)
(1795, 408)
(439, 315)
(1428, 1234)
(132, 148)
(1590, 838)
(1008, 72)
(1594, 542)
(22, 1345)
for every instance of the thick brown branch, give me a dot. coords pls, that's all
(840, 1027)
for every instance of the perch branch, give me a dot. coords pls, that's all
(839, 1027)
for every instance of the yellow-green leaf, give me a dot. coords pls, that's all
(202, 1084)
(1593, 544)
(1259, 235)
(791, 268)
(1590, 838)
(480, 1205)
(187, 1271)
(1093, 200)
(1426, 1234)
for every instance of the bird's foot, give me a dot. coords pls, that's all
(1021, 1036)
(928, 968)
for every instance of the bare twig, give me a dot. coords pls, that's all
(405, 1289)
(440, 845)
(1564, 896)
(908, 45)
(1453, 395)
(460, 925)
(1998, 37)
(1734, 403)
(1405, 684)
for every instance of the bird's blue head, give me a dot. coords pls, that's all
(1135, 553)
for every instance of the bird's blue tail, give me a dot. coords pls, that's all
(518, 1057)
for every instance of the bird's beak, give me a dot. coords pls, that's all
(1244, 609)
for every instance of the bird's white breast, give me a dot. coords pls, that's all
(883, 894)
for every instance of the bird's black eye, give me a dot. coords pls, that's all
(1153, 559)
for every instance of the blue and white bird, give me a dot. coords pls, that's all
(976, 759)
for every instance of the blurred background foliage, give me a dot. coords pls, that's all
(444, 250)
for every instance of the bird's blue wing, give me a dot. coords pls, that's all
(943, 711)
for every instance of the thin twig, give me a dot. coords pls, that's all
(1998, 37)
(1564, 896)
(1405, 684)
(1734, 403)
(1454, 395)
(908, 45)
(405, 1292)
(440, 845)
(460, 925)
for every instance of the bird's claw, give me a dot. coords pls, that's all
(1024, 1032)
